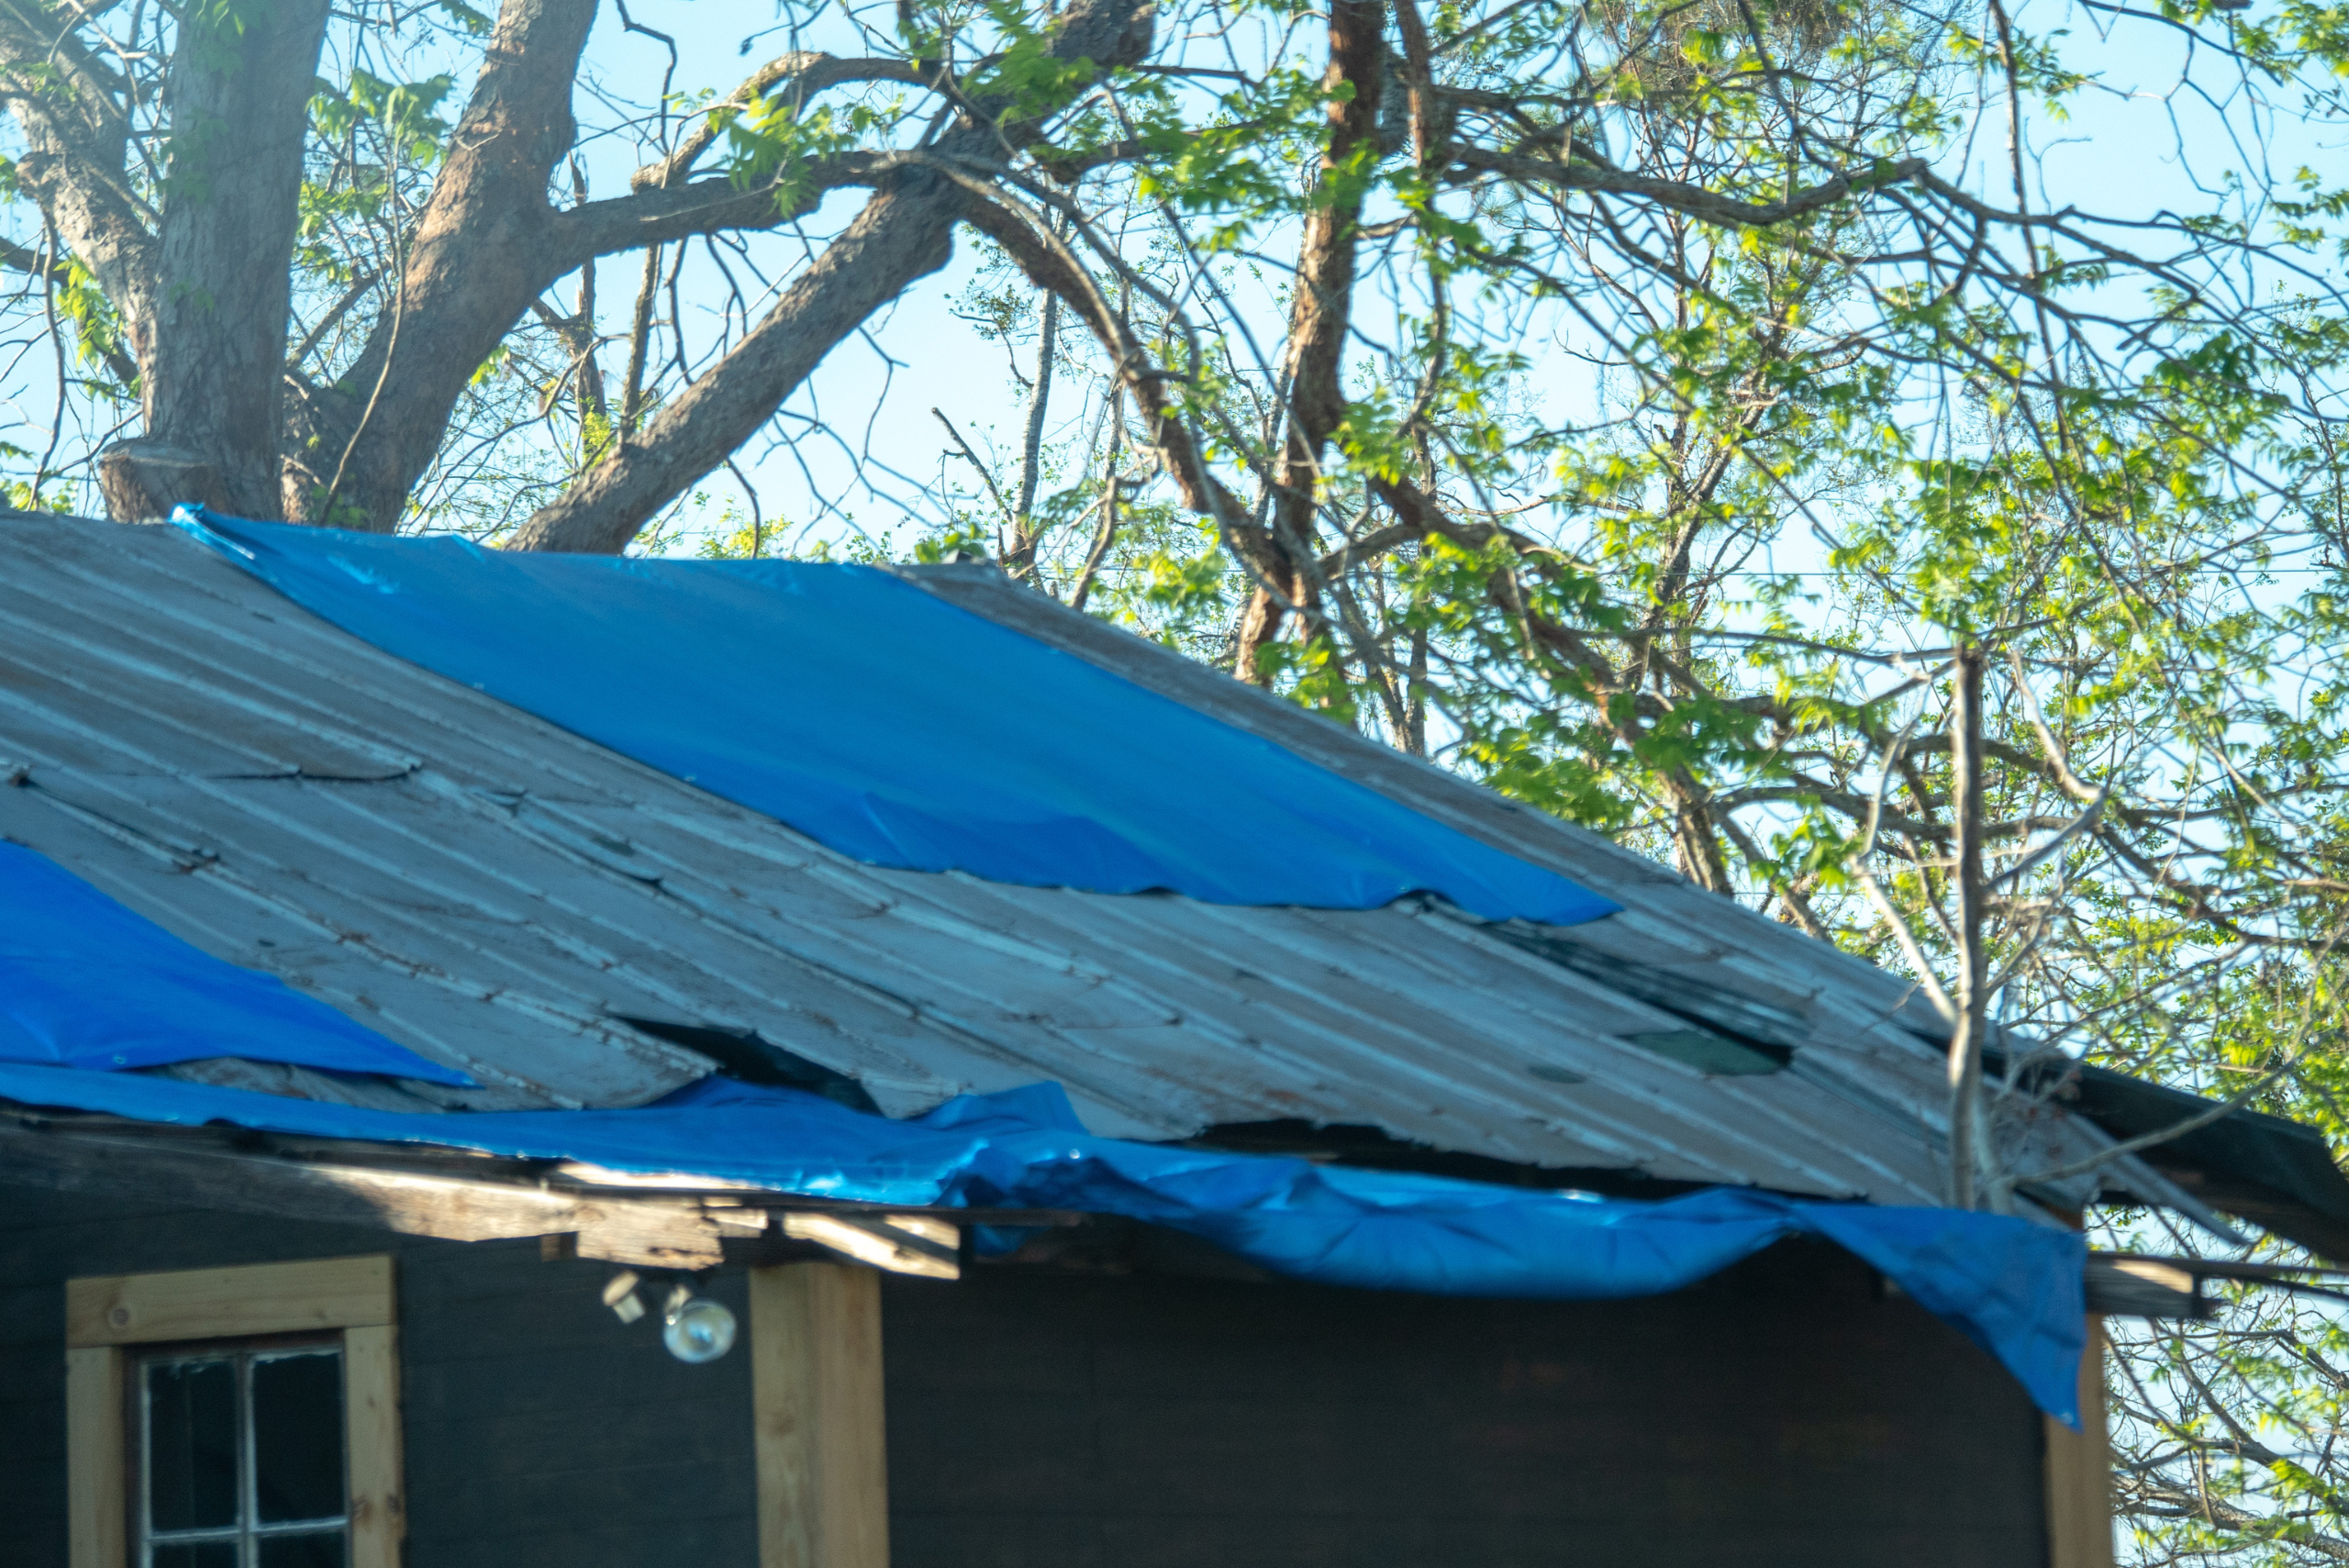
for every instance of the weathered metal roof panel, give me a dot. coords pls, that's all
(499, 894)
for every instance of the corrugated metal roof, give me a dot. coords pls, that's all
(503, 896)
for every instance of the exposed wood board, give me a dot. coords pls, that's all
(223, 1304)
(876, 1243)
(304, 1083)
(664, 1232)
(2144, 1287)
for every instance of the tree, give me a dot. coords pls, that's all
(1717, 421)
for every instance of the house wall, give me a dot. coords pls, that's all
(1786, 1413)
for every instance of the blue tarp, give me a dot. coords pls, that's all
(86, 983)
(2010, 1286)
(889, 725)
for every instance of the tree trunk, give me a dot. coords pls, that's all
(240, 98)
(904, 234)
(1318, 313)
(75, 143)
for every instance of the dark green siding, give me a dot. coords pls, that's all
(1786, 1415)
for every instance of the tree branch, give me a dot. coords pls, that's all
(479, 257)
(1320, 307)
(1585, 174)
(904, 232)
(807, 72)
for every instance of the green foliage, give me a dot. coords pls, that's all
(404, 113)
(773, 142)
(97, 327)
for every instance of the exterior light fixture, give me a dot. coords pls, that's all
(619, 1295)
(695, 1327)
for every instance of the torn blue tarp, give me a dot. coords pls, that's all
(889, 725)
(2012, 1287)
(86, 983)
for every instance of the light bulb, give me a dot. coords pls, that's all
(697, 1330)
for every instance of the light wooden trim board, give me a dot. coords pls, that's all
(816, 1395)
(370, 1424)
(2079, 1472)
(102, 1315)
(227, 1304)
(97, 1419)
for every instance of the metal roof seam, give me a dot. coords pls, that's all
(196, 686)
(215, 870)
(1570, 1118)
(703, 911)
(1468, 931)
(349, 936)
(1622, 1057)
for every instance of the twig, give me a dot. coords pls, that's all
(973, 459)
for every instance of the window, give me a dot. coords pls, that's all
(235, 1418)
(242, 1460)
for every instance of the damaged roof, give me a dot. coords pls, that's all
(573, 928)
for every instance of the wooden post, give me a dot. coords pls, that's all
(98, 1513)
(2079, 1472)
(371, 1414)
(815, 1397)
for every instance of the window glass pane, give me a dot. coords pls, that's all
(298, 1437)
(322, 1549)
(198, 1554)
(192, 1447)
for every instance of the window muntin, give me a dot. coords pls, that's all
(241, 1460)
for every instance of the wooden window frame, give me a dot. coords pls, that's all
(106, 1317)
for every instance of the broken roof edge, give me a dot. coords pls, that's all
(2014, 1287)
